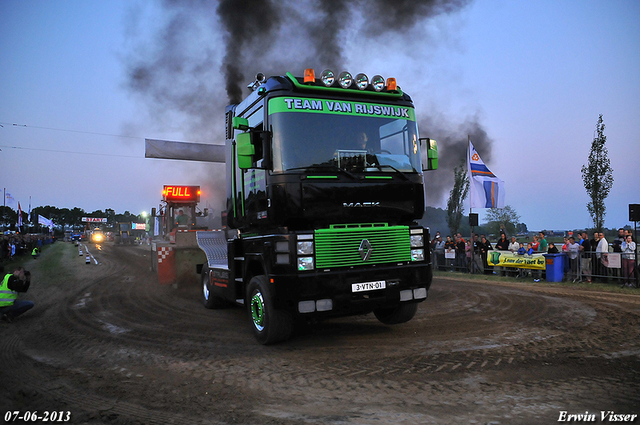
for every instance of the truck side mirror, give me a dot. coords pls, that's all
(429, 151)
(245, 150)
(240, 123)
(253, 146)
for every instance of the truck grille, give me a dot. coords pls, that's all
(339, 246)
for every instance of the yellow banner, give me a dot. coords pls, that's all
(509, 259)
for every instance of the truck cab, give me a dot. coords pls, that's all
(325, 184)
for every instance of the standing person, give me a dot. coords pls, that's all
(585, 256)
(476, 256)
(574, 251)
(461, 254)
(565, 246)
(601, 253)
(450, 247)
(439, 249)
(502, 245)
(595, 261)
(12, 283)
(514, 246)
(468, 249)
(434, 257)
(628, 261)
(617, 242)
(543, 243)
(485, 247)
(535, 244)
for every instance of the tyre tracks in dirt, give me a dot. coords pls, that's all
(121, 348)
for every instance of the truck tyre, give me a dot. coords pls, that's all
(394, 315)
(268, 324)
(208, 298)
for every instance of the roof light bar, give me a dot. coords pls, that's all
(344, 80)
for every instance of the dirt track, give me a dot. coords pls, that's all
(110, 345)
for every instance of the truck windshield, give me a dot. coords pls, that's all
(355, 142)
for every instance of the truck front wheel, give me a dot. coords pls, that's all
(395, 315)
(268, 324)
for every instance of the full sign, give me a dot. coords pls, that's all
(186, 194)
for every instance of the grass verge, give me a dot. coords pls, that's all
(596, 286)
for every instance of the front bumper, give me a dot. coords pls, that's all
(308, 293)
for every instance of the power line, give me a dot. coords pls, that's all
(2, 124)
(79, 153)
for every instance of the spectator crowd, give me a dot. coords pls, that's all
(586, 259)
(12, 245)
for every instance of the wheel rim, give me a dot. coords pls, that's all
(205, 288)
(257, 311)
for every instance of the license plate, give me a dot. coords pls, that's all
(368, 286)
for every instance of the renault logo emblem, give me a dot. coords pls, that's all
(365, 250)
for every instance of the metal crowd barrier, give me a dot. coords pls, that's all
(591, 266)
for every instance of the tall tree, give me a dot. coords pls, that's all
(457, 195)
(502, 220)
(597, 176)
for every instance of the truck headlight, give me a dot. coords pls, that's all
(417, 241)
(417, 255)
(305, 247)
(305, 263)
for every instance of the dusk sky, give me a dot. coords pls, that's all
(533, 76)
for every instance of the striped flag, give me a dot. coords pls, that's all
(19, 216)
(485, 189)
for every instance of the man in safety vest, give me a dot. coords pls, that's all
(10, 306)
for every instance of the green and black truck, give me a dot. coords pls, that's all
(325, 184)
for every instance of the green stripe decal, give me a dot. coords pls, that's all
(340, 107)
(322, 177)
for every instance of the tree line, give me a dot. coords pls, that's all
(63, 217)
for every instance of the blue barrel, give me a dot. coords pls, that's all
(555, 266)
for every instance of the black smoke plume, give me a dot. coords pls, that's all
(245, 22)
(204, 49)
(453, 142)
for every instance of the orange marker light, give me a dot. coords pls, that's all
(309, 76)
(391, 84)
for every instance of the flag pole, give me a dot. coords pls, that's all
(472, 241)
